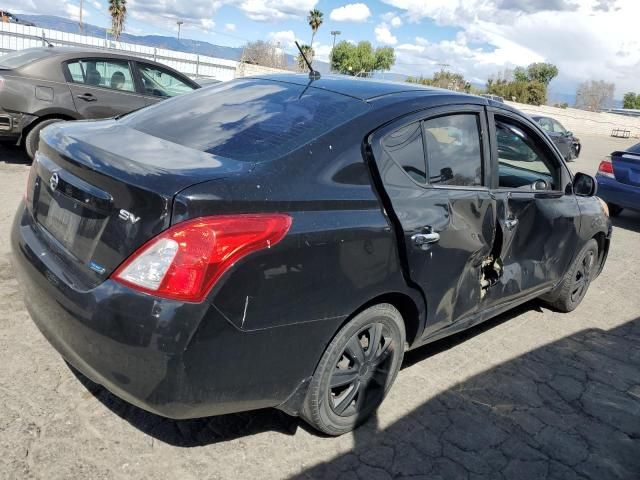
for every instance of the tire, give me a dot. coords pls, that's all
(569, 293)
(33, 137)
(614, 210)
(367, 375)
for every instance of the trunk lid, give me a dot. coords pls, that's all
(626, 167)
(99, 190)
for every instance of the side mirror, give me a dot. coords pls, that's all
(584, 185)
(568, 133)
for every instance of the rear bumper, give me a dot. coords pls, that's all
(12, 125)
(178, 360)
(621, 194)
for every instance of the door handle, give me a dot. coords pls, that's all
(87, 97)
(511, 223)
(423, 240)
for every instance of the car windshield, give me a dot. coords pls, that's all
(23, 57)
(249, 120)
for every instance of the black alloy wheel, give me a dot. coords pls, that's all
(356, 370)
(359, 378)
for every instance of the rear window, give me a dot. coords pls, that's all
(249, 120)
(23, 57)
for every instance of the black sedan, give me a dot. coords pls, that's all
(280, 242)
(567, 143)
(41, 86)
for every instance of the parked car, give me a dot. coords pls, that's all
(567, 143)
(41, 86)
(276, 242)
(619, 180)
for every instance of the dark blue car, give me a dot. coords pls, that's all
(619, 180)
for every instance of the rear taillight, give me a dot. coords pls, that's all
(606, 168)
(184, 262)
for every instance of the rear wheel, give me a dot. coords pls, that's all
(570, 292)
(356, 371)
(614, 210)
(33, 137)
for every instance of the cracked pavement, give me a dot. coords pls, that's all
(530, 394)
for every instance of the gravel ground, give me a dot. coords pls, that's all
(531, 394)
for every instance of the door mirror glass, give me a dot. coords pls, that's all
(584, 185)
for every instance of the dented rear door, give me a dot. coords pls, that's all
(444, 215)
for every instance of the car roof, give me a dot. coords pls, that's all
(360, 88)
(62, 51)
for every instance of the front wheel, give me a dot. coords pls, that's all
(573, 287)
(356, 371)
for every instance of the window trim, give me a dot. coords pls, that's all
(375, 140)
(543, 141)
(69, 78)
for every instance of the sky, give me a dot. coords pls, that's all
(585, 39)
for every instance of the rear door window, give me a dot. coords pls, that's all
(106, 73)
(454, 155)
(405, 147)
(249, 120)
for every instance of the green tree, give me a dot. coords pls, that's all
(309, 53)
(118, 12)
(361, 60)
(631, 100)
(520, 74)
(315, 20)
(444, 79)
(542, 72)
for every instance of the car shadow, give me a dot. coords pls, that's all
(628, 220)
(13, 154)
(211, 430)
(566, 410)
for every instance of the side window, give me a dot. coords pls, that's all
(161, 83)
(115, 74)
(546, 125)
(522, 162)
(405, 147)
(454, 156)
(558, 128)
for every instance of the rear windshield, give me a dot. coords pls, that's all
(23, 57)
(249, 120)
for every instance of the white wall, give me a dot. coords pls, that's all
(582, 122)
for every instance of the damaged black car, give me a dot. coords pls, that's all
(280, 242)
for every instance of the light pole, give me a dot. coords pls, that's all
(81, 28)
(179, 22)
(335, 33)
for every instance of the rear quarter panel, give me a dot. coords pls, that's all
(339, 254)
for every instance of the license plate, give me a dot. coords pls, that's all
(63, 224)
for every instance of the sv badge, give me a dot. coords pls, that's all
(128, 217)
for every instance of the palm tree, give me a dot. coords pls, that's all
(118, 12)
(315, 20)
(309, 53)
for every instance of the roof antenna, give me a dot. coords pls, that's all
(313, 74)
(44, 40)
